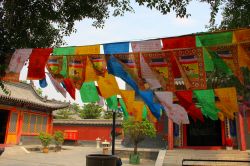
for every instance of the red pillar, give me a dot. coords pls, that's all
(170, 135)
(242, 133)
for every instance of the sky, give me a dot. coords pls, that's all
(142, 25)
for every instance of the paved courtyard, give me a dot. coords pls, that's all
(71, 156)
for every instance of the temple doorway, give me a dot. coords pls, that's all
(4, 115)
(204, 134)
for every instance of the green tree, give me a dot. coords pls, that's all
(137, 131)
(64, 113)
(75, 107)
(91, 111)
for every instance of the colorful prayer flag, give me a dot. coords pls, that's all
(86, 50)
(89, 92)
(116, 48)
(145, 46)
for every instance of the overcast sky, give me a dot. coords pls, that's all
(141, 25)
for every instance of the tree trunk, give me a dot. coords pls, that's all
(135, 147)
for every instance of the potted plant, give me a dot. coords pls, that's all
(137, 131)
(45, 139)
(229, 143)
(58, 140)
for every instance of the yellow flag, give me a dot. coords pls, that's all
(228, 101)
(242, 35)
(108, 86)
(137, 110)
(128, 97)
(85, 50)
(151, 117)
(90, 73)
(243, 58)
(221, 116)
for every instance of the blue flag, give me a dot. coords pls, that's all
(116, 69)
(148, 98)
(116, 48)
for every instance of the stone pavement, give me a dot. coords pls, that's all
(71, 156)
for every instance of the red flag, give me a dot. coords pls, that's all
(185, 99)
(37, 62)
(70, 88)
(179, 42)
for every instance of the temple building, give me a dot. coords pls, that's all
(24, 114)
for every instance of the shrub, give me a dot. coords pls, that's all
(58, 138)
(45, 139)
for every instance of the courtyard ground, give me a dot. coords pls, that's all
(71, 156)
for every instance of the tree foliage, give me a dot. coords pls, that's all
(137, 131)
(91, 111)
(109, 114)
(65, 113)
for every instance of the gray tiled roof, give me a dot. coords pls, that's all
(86, 122)
(24, 95)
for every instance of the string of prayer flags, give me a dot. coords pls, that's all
(179, 42)
(116, 48)
(57, 85)
(116, 69)
(76, 70)
(112, 102)
(137, 110)
(108, 86)
(212, 39)
(227, 101)
(90, 73)
(160, 64)
(64, 51)
(16, 64)
(43, 83)
(206, 100)
(124, 109)
(54, 66)
(86, 50)
(174, 111)
(37, 63)
(69, 87)
(89, 92)
(147, 45)
(186, 100)
(148, 98)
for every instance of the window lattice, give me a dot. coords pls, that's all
(13, 122)
(26, 121)
(44, 125)
(32, 123)
(38, 124)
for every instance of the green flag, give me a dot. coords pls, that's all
(208, 62)
(89, 92)
(214, 39)
(124, 110)
(219, 64)
(144, 112)
(206, 100)
(64, 51)
(112, 102)
(63, 72)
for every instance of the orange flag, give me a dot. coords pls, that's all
(128, 97)
(137, 110)
(90, 73)
(108, 86)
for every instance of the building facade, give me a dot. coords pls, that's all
(24, 114)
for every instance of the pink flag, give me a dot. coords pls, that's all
(174, 111)
(57, 85)
(18, 59)
(148, 74)
(144, 46)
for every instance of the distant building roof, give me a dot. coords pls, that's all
(24, 95)
(96, 122)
